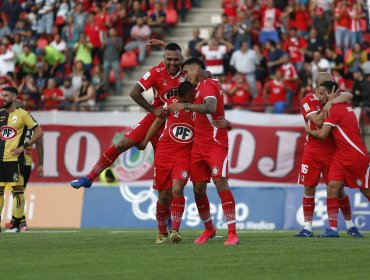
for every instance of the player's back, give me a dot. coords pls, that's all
(164, 85)
(178, 134)
(311, 105)
(205, 132)
(346, 132)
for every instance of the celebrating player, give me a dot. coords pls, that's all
(14, 123)
(317, 157)
(350, 164)
(165, 79)
(210, 149)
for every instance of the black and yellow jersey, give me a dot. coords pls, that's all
(13, 128)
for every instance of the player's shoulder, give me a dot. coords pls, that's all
(310, 98)
(22, 112)
(158, 68)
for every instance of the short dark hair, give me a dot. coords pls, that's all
(185, 88)
(193, 60)
(173, 47)
(11, 89)
(329, 85)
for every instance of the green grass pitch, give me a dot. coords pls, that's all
(131, 254)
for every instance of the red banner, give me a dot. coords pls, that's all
(264, 149)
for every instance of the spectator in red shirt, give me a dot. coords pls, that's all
(271, 19)
(302, 19)
(95, 34)
(226, 85)
(290, 78)
(275, 93)
(52, 96)
(240, 92)
(296, 47)
(342, 21)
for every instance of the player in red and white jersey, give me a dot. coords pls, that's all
(350, 164)
(210, 148)
(317, 156)
(164, 79)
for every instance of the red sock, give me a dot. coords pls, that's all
(162, 215)
(228, 205)
(333, 209)
(345, 207)
(177, 209)
(106, 160)
(308, 208)
(204, 212)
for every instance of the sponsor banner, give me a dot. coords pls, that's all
(294, 210)
(264, 148)
(134, 207)
(48, 206)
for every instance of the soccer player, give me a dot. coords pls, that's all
(317, 157)
(210, 149)
(26, 175)
(165, 79)
(14, 123)
(350, 164)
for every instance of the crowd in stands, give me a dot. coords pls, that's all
(266, 53)
(66, 54)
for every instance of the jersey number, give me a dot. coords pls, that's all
(304, 168)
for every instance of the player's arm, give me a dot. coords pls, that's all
(40, 153)
(317, 118)
(344, 97)
(158, 122)
(322, 133)
(156, 42)
(208, 107)
(221, 122)
(37, 134)
(137, 96)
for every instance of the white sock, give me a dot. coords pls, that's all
(334, 228)
(349, 224)
(308, 225)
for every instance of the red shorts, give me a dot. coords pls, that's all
(312, 165)
(355, 174)
(207, 162)
(168, 169)
(138, 131)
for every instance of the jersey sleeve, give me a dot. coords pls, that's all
(208, 90)
(29, 121)
(307, 108)
(149, 79)
(333, 116)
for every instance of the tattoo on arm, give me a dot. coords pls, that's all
(209, 107)
(40, 150)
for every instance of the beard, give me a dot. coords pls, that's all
(8, 105)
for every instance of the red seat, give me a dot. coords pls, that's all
(42, 43)
(171, 16)
(128, 59)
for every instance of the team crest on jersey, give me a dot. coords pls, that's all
(181, 132)
(181, 79)
(15, 177)
(359, 182)
(215, 171)
(184, 174)
(169, 94)
(8, 132)
(146, 76)
(14, 119)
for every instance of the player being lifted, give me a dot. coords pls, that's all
(317, 156)
(210, 149)
(350, 164)
(14, 123)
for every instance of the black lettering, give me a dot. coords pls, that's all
(179, 132)
(186, 133)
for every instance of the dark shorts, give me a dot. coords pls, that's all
(11, 174)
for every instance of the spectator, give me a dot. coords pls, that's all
(59, 44)
(323, 25)
(42, 75)
(245, 61)
(335, 60)
(52, 96)
(192, 50)
(29, 93)
(84, 99)
(64, 9)
(140, 33)
(355, 57)
(4, 29)
(79, 16)
(83, 51)
(271, 19)
(366, 66)
(275, 93)
(120, 21)
(71, 35)
(54, 59)
(157, 20)
(7, 60)
(136, 13)
(99, 82)
(302, 19)
(95, 35)
(296, 47)
(27, 61)
(274, 56)
(12, 9)
(226, 85)
(290, 78)
(112, 50)
(361, 89)
(181, 8)
(101, 17)
(318, 64)
(77, 74)
(355, 32)
(314, 43)
(30, 40)
(68, 94)
(20, 28)
(228, 28)
(17, 46)
(242, 30)
(342, 22)
(46, 16)
(240, 92)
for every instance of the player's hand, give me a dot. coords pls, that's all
(17, 151)
(176, 107)
(155, 42)
(40, 171)
(221, 122)
(159, 112)
(307, 130)
(327, 108)
(141, 145)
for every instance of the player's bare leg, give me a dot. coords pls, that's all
(162, 214)
(332, 201)
(228, 205)
(345, 207)
(201, 199)
(177, 209)
(308, 210)
(106, 160)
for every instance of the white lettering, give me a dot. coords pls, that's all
(358, 201)
(245, 151)
(51, 153)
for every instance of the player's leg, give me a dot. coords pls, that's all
(162, 214)
(18, 210)
(135, 135)
(1, 201)
(177, 208)
(345, 207)
(308, 203)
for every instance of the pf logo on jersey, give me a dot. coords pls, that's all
(8, 132)
(181, 132)
(169, 94)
